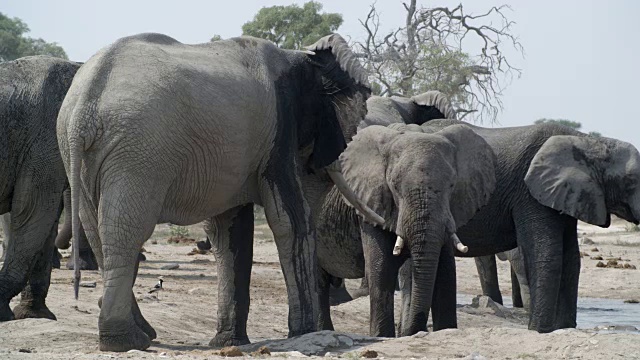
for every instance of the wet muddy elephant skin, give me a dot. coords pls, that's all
(32, 177)
(184, 133)
(548, 177)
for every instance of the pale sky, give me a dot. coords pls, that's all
(581, 60)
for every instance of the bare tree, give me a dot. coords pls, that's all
(426, 53)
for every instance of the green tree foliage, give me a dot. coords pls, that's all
(14, 44)
(292, 26)
(568, 123)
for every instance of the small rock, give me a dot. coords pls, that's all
(583, 254)
(586, 241)
(632, 301)
(230, 351)
(171, 266)
(263, 350)
(155, 242)
(28, 351)
(88, 284)
(201, 275)
(369, 354)
(596, 257)
(595, 249)
(600, 264)
(143, 250)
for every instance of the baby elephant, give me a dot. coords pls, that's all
(426, 186)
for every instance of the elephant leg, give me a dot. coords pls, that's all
(289, 218)
(33, 227)
(5, 222)
(33, 295)
(488, 273)
(443, 306)
(231, 236)
(86, 258)
(568, 297)
(516, 294)
(405, 279)
(381, 269)
(540, 240)
(518, 269)
(63, 239)
(324, 319)
(122, 238)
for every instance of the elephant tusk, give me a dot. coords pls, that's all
(397, 248)
(458, 244)
(308, 52)
(352, 198)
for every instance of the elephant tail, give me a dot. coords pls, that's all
(74, 181)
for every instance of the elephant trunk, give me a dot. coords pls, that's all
(425, 252)
(335, 172)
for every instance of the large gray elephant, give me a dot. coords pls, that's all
(548, 177)
(153, 130)
(32, 178)
(414, 180)
(230, 235)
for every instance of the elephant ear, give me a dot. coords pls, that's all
(563, 176)
(340, 74)
(476, 176)
(342, 56)
(438, 104)
(364, 166)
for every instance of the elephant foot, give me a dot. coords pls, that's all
(227, 338)
(136, 339)
(144, 325)
(55, 260)
(25, 311)
(87, 261)
(5, 312)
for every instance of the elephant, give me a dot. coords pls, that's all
(154, 131)
(549, 177)
(411, 178)
(414, 110)
(32, 178)
(488, 274)
(323, 198)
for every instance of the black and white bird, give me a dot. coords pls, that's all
(157, 287)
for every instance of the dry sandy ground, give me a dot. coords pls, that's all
(185, 314)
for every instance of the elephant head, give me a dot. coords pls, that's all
(412, 178)
(417, 109)
(341, 84)
(588, 178)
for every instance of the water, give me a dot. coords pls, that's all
(593, 312)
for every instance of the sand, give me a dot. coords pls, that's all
(185, 313)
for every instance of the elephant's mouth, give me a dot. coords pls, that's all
(335, 173)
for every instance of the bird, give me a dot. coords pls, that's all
(157, 287)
